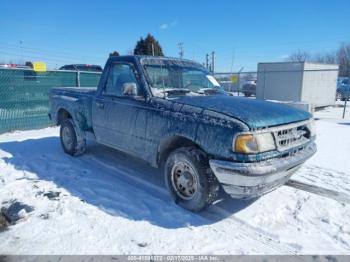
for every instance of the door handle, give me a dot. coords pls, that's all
(100, 104)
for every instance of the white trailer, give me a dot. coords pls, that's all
(304, 82)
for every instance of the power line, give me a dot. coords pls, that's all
(262, 46)
(322, 44)
(44, 56)
(43, 51)
(36, 54)
(39, 57)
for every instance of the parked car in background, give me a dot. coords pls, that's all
(249, 88)
(343, 89)
(82, 67)
(19, 66)
(173, 114)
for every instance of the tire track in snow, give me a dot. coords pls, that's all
(324, 177)
(338, 196)
(133, 174)
(242, 230)
(256, 234)
(124, 171)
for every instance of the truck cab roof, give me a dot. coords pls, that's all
(147, 59)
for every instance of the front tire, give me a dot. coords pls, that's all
(189, 179)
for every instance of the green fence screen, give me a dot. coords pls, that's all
(24, 95)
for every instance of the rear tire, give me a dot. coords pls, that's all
(189, 179)
(73, 142)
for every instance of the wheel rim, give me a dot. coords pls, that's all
(184, 180)
(67, 138)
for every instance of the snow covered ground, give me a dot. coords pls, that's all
(105, 202)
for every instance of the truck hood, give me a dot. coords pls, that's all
(254, 113)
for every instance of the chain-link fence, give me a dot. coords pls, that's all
(238, 83)
(24, 95)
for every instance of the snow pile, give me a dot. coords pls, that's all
(105, 202)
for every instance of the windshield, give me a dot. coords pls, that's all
(167, 80)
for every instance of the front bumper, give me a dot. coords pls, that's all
(250, 180)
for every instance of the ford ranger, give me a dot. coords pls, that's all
(174, 115)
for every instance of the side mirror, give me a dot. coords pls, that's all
(130, 89)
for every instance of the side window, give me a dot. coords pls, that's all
(119, 76)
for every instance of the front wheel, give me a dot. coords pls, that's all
(189, 179)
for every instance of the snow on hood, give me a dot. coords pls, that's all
(254, 113)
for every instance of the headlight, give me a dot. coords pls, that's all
(312, 128)
(254, 143)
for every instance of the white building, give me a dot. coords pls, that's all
(298, 82)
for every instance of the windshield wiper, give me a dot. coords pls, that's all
(209, 91)
(176, 91)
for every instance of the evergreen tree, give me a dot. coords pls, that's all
(144, 46)
(115, 53)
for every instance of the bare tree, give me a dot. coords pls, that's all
(327, 58)
(299, 56)
(343, 56)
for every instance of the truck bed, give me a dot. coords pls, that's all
(90, 91)
(76, 100)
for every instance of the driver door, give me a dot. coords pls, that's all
(119, 115)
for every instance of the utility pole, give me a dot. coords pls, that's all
(152, 49)
(239, 79)
(232, 61)
(207, 61)
(181, 49)
(212, 61)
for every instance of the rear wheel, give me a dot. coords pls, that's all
(189, 179)
(72, 139)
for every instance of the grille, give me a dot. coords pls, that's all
(291, 137)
